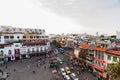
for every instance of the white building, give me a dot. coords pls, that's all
(117, 34)
(17, 43)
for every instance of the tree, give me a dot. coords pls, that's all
(56, 44)
(114, 71)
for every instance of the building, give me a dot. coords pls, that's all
(17, 43)
(99, 58)
(90, 56)
(117, 34)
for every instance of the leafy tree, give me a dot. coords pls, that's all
(56, 44)
(102, 36)
(114, 71)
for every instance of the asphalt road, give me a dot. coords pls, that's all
(24, 70)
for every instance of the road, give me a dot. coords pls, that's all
(23, 70)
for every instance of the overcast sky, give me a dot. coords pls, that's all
(62, 16)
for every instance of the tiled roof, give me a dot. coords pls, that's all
(113, 52)
(84, 46)
(100, 49)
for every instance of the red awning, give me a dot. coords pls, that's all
(99, 60)
(100, 49)
(84, 46)
(97, 67)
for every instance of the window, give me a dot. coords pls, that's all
(102, 56)
(109, 57)
(12, 37)
(6, 37)
(95, 53)
(37, 36)
(115, 59)
(24, 36)
(31, 36)
(18, 37)
(37, 50)
(28, 50)
(33, 50)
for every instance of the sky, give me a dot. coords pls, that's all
(62, 16)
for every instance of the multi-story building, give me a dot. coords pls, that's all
(16, 43)
(99, 58)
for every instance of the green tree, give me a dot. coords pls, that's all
(102, 36)
(56, 44)
(114, 71)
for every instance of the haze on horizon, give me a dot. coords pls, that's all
(62, 16)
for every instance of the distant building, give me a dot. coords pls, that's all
(117, 34)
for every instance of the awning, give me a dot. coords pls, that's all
(99, 60)
(2, 57)
(97, 67)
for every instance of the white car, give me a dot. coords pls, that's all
(63, 72)
(67, 77)
(73, 76)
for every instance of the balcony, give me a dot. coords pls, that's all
(99, 60)
(98, 67)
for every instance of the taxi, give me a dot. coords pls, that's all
(67, 70)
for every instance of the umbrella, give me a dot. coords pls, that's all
(54, 71)
(52, 58)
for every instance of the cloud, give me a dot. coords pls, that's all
(97, 15)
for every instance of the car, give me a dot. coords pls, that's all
(67, 70)
(63, 72)
(59, 60)
(67, 77)
(73, 76)
(63, 59)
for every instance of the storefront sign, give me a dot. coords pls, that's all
(1, 56)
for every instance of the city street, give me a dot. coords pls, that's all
(27, 69)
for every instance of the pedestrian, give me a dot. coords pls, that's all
(6, 67)
(28, 66)
(36, 64)
(14, 69)
(44, 67)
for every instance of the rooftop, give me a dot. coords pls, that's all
(113, 52)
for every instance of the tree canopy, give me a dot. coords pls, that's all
(114, 71)
(56, 44)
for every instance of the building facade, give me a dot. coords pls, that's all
(17, 43)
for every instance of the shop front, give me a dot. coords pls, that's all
(1, 59)
(17, 54)
(98, 72)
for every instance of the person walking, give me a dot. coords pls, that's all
(44, 67)
(28, 66)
